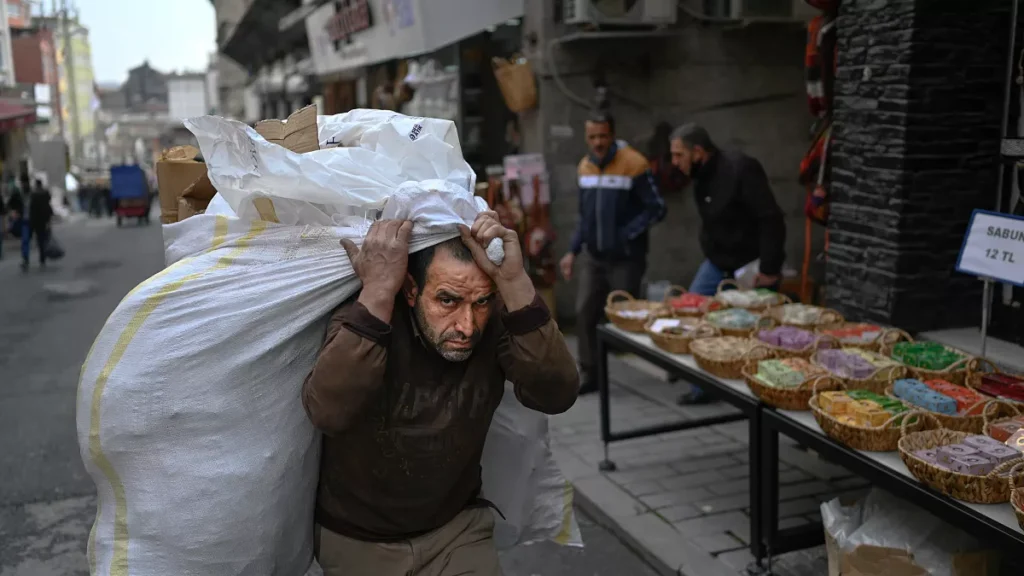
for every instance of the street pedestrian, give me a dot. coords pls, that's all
(40, 214)
(740, 219)
(410, 374)
(619, 202)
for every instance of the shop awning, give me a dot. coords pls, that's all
(365, 32)
(14, 116)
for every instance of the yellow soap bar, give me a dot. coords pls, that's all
(835, 403)
(868, 413)
(847, 419)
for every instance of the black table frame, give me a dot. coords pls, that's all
(766, 539)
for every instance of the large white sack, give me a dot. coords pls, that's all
(189, 415)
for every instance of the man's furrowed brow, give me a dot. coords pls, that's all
(449, 295)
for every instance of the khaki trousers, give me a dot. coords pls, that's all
(462, 547)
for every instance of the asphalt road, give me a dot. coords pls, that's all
(48, 319)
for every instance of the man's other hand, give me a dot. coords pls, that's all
(766, 281)
(511, 279)
(383, 260)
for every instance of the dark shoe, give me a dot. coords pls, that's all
(24, 266)
(588, 388)
(693, 397)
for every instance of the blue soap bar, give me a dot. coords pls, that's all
(909, 388)
(939, 403)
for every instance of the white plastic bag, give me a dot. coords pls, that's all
(189, 413)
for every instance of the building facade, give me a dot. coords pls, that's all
(187, 96)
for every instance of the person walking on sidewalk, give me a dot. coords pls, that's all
(404, 390)
(40, 214)
(740, 219)
(619, 202)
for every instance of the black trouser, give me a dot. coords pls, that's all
(597, 278)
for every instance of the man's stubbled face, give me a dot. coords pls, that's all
(453, 306)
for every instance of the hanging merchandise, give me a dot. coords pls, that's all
(517, 83)
(813, 169)
(819, 63)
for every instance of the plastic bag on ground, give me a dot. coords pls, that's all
(189, 413)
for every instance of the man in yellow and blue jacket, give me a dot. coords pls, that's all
(619, 202)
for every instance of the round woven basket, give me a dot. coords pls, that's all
(955, 373)
(998, 411)
(821, 342)
(709, 305)
(620, 301)
(882, 438)
(781, 298)
(877, 382)
(707, 353)
(989, 489)
(676, 344)
(970, 423)
(796, 398)
(825, 316)
(886, 336)
(978, 368)
(1017, 493)
(762, 323)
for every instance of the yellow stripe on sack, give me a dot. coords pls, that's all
(566, 532)
(265, 206)
(119, 561)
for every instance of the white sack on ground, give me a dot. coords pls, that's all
(189, 413)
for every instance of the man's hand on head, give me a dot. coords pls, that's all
(510, 277)
(381, 264)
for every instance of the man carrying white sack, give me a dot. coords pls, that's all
(404, 389)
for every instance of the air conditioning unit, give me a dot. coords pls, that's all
(772, 10)
(620, 12)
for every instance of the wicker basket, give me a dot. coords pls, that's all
(882, 438)
(762, 323)
(782, 298)
(955, 373)
(998, 411)
(730, 367)
(1017, 493)
(620, 300)
(989, 489)
(674, 291)
(886, 336)
(821, 342)
(796, 398)
(517, 83)
(970, 423)
(877, 382)
(825, 316)
(979, 367)
(675, 344)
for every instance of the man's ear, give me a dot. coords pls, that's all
(410, 290)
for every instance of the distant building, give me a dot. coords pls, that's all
(146, 89)
(19, 13)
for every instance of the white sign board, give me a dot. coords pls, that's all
(994, 247)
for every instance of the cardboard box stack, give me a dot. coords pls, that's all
(185, 187)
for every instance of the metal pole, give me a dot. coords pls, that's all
(69, 65)
(986, 312)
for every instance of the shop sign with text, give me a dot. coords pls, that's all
(994, 247)
(352, 16)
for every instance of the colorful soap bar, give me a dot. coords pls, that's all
(736, 318)
(835, 403)
(787, 337)
(1016, 441)
(855, 333)
(926, 355)
(971, 464)
(945, 454)
(930, 456)
(967, 401)
(999, 453)
(978, 442)
(868, 413)
(1002, 431)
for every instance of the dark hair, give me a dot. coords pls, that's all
(603, 118)
(693, 135)
(39, 183)
(420, 261)
(658, 147)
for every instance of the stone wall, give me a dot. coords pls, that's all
(745, 85)
(919, 95)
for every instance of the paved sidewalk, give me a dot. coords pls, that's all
(682, 499)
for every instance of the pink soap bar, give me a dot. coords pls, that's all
(973, 465)
(945, 454)
(979, 442)
(998, 453)
(929, 456)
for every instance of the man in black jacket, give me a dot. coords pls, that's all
(40, 213)
(740, 220)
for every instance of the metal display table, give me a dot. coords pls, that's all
(994, 523)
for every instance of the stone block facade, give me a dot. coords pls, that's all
(918, 110)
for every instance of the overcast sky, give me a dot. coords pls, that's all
(174, 35)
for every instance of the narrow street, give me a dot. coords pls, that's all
(50, 318)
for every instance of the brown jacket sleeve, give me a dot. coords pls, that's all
(349, 369)
(533, 354)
